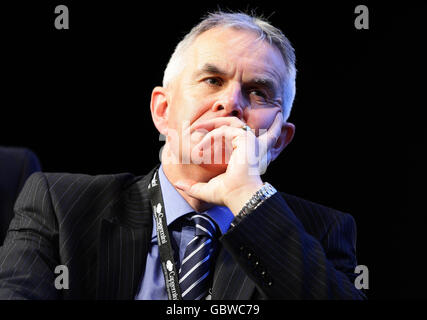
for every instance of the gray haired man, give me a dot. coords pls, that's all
(203, 224)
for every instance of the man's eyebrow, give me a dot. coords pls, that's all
(265, 82)
(209, 68)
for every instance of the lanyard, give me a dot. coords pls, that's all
(165, 248)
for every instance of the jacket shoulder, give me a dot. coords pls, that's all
(71, 190)
(58, 181)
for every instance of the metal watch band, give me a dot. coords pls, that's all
(265, 192)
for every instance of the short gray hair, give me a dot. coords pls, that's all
(240, 21)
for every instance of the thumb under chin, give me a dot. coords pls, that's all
(182, 185)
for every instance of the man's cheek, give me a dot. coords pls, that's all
(261, 120)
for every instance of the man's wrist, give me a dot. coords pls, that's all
(261, 195)
(265, 192)
(238, 198)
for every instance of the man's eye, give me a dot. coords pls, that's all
(257, 93)
(213, 81)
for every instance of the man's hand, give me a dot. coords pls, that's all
(248, 160)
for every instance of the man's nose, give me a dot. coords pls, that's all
(230, 103)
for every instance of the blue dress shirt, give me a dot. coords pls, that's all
(152, 286)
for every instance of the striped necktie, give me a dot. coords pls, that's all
(195, 271)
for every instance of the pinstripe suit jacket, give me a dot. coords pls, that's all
(100, 228)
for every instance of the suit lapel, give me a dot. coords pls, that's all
(230, 281)
(124, 243)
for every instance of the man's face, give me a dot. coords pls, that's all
(227, 73)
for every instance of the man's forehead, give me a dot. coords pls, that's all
(226, 49)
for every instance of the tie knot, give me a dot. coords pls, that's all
(204, 225)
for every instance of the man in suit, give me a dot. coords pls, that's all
(16, 165)
(202, 225)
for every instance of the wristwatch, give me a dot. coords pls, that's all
(265, 192)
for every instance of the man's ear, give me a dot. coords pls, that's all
(286, 136)
(159, 109)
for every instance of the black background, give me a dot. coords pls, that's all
(79, 98)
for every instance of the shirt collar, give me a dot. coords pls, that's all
(176, 207)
